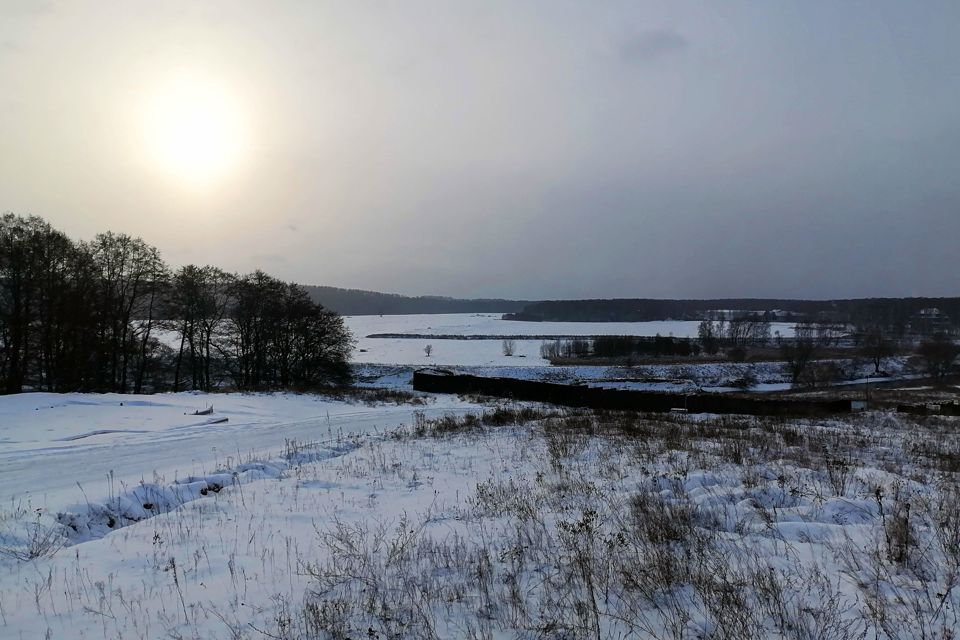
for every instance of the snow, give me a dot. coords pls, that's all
(181, 525)
(94, 440)
(241, 550)
(488, 352)
(410, 351)
(491, 324)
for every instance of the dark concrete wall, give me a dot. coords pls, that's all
(622, 399)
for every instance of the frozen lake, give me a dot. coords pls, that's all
(410, 351)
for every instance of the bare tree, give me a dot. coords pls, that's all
(747, 329)
(509, 347)
(128, 269)
(428, 350)
(39, 308)
(876, 344)
(709, 333)
(550, 350)
(199, 300)
(800, 351)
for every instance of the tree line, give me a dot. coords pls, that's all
(810, 354)
(897, 313)
(89, 316)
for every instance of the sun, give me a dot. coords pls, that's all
(195, 131)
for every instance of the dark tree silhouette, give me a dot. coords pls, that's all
(709, 333)
(85, 316)
(800, 351)
(876, 344)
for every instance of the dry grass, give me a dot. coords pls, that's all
(605, 538)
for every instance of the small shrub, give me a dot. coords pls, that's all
(42, 541)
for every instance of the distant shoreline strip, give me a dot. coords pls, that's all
(455, 336)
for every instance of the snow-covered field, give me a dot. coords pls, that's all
(410, 351)
(490, 324)
(516, 525)
(304, 517)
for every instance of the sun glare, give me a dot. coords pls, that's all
(195, 131)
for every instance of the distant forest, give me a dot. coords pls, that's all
(356, 302)
(866, 311)
(89, 316)
(892, 312)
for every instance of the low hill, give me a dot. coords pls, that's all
(890, 311)
(357, 302)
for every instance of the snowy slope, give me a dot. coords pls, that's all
(57, 449)
(517, 528)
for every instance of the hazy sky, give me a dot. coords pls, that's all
(517, 149)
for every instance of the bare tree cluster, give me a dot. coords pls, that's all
(800, 352)
(276, 336)
(876, 342)
(736, 334)
(803, 353)
(88, 315)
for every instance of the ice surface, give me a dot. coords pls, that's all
(488, 352)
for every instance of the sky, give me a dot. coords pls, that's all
(525, 149)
